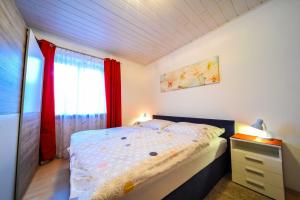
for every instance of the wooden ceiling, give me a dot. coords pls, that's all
(139, 30)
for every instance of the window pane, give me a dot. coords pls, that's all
(79, 84)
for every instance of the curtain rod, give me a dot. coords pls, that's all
(79, 52)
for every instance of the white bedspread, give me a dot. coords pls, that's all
(106, 164)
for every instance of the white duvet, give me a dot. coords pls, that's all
(108, 163)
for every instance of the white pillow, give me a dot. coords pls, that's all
(156, 124)
(211, 131)
(183, 129)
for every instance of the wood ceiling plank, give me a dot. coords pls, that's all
(214, 10)
(197, 7)
(161, 12)
(227, 9)
(252, 3)
(137, 20)
(157, 18)
(196, 4)
(240, 6)
(207, 18)
(194, 19)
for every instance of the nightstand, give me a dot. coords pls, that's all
(257, 164)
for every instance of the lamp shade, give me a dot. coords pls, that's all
(259, 124)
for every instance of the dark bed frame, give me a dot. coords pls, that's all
(197, 187)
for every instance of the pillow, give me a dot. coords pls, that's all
(156, 124)
(183, 129)
(211, 131)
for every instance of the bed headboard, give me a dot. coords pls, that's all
(227, 124)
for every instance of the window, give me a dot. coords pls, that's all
(78, 84)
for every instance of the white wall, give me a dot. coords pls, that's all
(133, 84)
(260, 70)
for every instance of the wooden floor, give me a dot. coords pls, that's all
(228, 190)
(51, 182)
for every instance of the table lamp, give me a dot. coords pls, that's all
(261, 125)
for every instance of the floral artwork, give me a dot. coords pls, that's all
(202, 73)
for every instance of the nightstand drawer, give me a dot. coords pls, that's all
(257, 160)
(260, 175)
(264, 188)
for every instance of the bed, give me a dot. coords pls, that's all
(181, 173)
(199, 185)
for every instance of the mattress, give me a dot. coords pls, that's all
(160, 186)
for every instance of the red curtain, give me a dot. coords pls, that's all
(47, 137)
(112, 75)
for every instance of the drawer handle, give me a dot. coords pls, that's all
(255, 183)
(254, 171)
(253, 159)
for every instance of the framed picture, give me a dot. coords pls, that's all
(202, 73)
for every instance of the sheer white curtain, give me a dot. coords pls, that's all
(79, 96)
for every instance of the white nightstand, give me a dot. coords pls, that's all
(257, 164)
